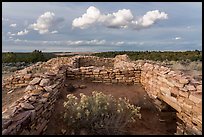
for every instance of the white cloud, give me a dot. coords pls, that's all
(120, 19)
(17, 40)
(118, 43)
(91, 16)
(96, 42)
(149, 19)
(67, 43)
(45, 22)
(21, 33)
(10, 34)
(13, 25)
(177, 38)
(86, 42)
(53, 32)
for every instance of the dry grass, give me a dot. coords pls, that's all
(193, 69)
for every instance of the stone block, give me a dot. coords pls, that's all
(199, 87)
(171, 103)
(26, 106)
(29, 88)
(197, 109)
(190, 87)
(174, 90)
(44, 82)
(196, 98)
(165, 90)
(184, 94)
(183, 80)
(35, 81)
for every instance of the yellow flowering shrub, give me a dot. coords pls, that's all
(99, 113)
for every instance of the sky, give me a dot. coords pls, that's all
(101, 26)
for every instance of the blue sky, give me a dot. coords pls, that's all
(101, 26)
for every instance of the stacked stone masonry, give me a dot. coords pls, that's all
(30, 114)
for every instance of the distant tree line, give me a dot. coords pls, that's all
(156, 55)
(33, 57)
(38, 55)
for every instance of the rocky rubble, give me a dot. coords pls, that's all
(30, 114)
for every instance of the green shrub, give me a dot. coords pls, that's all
(99, 113)
(156, 55)
(9, 57)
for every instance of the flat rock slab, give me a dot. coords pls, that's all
(27, 76)
(32, 98)
(35, 81)
(48, 88)
(44, 82)
(29, 88)
(82, 86)
(26, 106)
(36, 92)
(22, 115)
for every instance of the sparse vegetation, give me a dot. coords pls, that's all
(156, 55)
(33, 57)
(99, 113)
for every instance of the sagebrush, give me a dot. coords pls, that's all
(99, 113)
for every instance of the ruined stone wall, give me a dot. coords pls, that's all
(86, 61)
(106, 75)
(30, 114)
(181, 92)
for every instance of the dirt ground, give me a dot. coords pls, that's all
(8, 99)
(153, 122)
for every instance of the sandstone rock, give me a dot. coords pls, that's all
(33, 115)
(122, 58)
(6, 123)
(36, 92)
(27, 76)
(35, 81)
(199, 87)
(43, 100)
(32, 98)
(29, 88)
(21, 85)
(48, 88)
(183, 81)
(24, 115)
(26, 96)
(165, 90)
(197, 98)
(5, 132)
(82, 86)
(76, 86)
(24, 71)
(46, 95)
(11, 91)
(26, 106)
(44, 82)
(184, 94)
(197, 109)
(184, 89)
(190, 87)
(172, 104)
